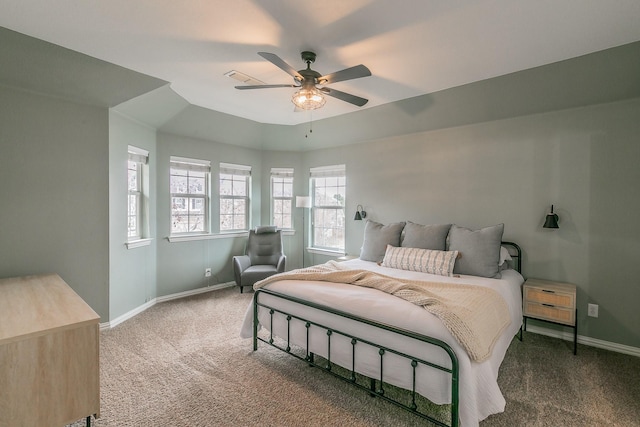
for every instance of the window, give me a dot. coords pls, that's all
(328, 189)
(282, 197)
(189, 187)
(136, 159)
(235, 187)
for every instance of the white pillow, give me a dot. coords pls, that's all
(423, 260)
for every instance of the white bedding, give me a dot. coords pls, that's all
(479, 393)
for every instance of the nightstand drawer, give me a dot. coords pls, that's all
(550, 312)
(558, 299)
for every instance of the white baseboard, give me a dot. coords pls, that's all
(593, 342)
(128, 315)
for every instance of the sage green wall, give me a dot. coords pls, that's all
(54, 192)
(583, 160)
(181, 265)
(132, 272)
(292, 242)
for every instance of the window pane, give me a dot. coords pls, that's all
(240, 186)
(285, 222)
(226, 222)
(226, 186)
(133, 205)
(179, 204)
(196, 206)
(197, 185)
(226, 206)
(133, 178)
(238, 222)
(179, 223)
(288, 189)
(132, 227)
(178, 184)
(278, 188)
(239, 207)
(196, 222)
(277, 207)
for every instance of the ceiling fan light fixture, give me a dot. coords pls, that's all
(308, 99)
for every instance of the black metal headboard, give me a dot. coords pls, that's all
(516, 254)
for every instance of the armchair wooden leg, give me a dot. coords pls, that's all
(240, 288)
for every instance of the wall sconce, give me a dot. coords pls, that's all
(552, 220)
(359, 213)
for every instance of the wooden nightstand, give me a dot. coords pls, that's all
(550, 301)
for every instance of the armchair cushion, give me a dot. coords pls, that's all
(264, 258)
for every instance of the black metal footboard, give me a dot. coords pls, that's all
(377, 385)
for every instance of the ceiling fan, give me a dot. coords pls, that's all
(310, 97)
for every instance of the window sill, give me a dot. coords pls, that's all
(195, 237)
(327, 252)
(211, 236)
(132, 244)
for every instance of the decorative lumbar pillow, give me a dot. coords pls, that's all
(424, 260)
(266, 229)
(479, 250)
(376, 238)
(425, 236)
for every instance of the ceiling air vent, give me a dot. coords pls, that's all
(241, 77)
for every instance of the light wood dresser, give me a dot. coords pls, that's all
(49, 353)
(551, 301)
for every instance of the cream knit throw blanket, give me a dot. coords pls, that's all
(475, 315)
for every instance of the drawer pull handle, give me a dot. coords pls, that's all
(548, 305)
(548, 291)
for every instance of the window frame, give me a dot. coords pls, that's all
(191, 166)
(282, 174)
(235, 171)
(338, 172)
(138, 157)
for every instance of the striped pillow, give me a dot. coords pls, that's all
(424, 260)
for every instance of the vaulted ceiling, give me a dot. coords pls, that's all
(412, 47)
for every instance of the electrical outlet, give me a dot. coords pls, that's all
(207, 272)
(592, 310)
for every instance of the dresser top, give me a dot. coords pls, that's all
(35, 305)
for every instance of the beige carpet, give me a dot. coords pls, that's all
(182, 363)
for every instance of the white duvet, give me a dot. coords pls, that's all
(479, 393)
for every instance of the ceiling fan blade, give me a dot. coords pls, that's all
(346, 74)
(343, 96)
(262, 86)
(278, 62)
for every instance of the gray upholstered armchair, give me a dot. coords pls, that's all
(264, 257)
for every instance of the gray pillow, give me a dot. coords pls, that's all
(425, 236)
(376, 238)
(479, 250)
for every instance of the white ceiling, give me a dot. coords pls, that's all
(412, 47)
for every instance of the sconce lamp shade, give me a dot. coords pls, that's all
(552, 220)
(359, 213)
(303, 202)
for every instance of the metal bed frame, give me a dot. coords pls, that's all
(376, 385)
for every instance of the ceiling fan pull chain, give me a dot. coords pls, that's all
(310, 123)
